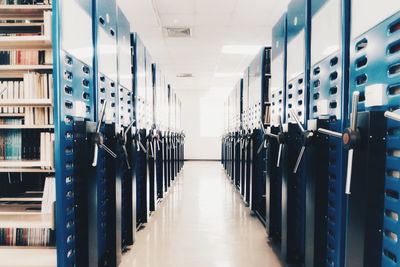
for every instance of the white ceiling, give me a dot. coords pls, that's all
(215, 23)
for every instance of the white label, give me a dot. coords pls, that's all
(312, 125)
(80, 109)
(285, 127)
(108, 115)
(375, 95)
(323, 107)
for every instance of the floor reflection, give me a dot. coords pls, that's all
(202, 222)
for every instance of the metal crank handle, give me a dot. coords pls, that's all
(102, 113)
(129, 127)
(95, 155)
(140, 146)
(158, 144)
(349, 171)
(392, 115)
(297, 120)
(262, 127)
(126, 157)
(108, 150)
(354, 110)
(329, 132)
(151, 150)
(296, 167)
(278, 164)
(261, 147)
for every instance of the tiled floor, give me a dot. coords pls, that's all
(202, 223)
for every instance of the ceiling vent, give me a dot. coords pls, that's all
(178, 32)
(184, 75)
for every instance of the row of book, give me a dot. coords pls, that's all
(47, 150)
(35, 86)
(10, 141)
(38, 86)
(38, 229)
(26, 57)
(37, 27)
(25, 2)
(49, 196)
(27, 145)
(38, 237)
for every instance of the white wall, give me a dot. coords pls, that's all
(202, 121)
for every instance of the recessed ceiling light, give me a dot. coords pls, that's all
(241, 49)
(176, 21)
(227, 74)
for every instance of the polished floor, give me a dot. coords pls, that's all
(202, 223)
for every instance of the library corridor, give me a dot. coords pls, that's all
(202, 222)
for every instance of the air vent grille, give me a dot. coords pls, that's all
(178, 32)
(184, 75)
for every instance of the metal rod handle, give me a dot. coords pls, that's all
(392, 115)
(262, 126)
(151, 150)
(102, 113)
(280, 123)
(354, 110)
(95, 155)
(329, 132)
(108, 150)
(297, 120)
(158, 144)
(349, 171)
(278, 164)
(272, 135)
(126, 157)
(261, 147)
(296, 167)
(129, 127)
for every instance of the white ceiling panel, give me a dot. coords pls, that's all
(177, 20)
(215, 23)
(175, 6)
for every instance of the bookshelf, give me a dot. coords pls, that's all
(26, 126)
(26, 103)
(23, 163)
(26, 199)
(19, 256)
(25, 42)
(17, 71)
(27, 221)
(23, 12)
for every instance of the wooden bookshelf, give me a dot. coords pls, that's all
(23, 12)
(16, 210)
(24, 42)
(20, 24)
(16, 126)
(12, 115)
(24, 68)
(28, 256)
(26, 103)
(24, 199)
(17, 71)
(23, 220)
(23, 164)
(26, 170)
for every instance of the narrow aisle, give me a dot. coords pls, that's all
(202, 223)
